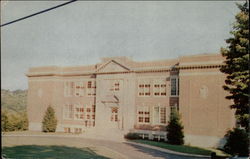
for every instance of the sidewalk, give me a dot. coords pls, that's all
(166, 150)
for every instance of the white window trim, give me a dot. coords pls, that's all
(144, 82)
(90, 89)
(177, 87)
(65, 118)
(160, 82)
(159, 123)
(78, 105)
(144, 108)
(88, 113)
(81, 84)
(113, 81)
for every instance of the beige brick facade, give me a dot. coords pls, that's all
(122, 95)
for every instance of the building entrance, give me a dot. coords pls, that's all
(114, 119)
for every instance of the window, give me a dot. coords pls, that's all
(163, 115)
(67, 130)
(159, 115)
(91, 88)
(93, 108)
(79, 89)
(156, 115)
(88, 123)
(144, 88)
(68, 111)
(173, 109)
(143, 114)
(78, 130)
(115, 86)
(114, 114)
(174, 86)
(90, 115)
(79, 112)
(68, 89)
(160, 88)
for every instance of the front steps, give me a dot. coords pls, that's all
(104, 134)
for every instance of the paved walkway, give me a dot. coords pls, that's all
(111, 149)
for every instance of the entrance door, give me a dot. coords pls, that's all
(114, 117)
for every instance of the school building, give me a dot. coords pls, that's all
(119, 95)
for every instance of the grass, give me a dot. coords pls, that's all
(179, 148)
(49, 152)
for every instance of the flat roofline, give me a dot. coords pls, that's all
(203, 54)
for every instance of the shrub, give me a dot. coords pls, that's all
(4, 121)
(175, 133)
(14, 121)
(49, 120)
(22, 123)
(237, 142)
(132, 136)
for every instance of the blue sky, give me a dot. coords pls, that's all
(83, 32)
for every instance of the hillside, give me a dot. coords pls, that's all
(14, 101)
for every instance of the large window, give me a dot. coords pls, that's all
(68, 89)
(159, 115)
(90, 115)
(79, 89)
(174, 86)
(160, 88)
(143, 114)
(91, 88)
(144, 88)
(68, 111)
(79, 112)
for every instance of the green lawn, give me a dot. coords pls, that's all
(179, 148)
(49, 152)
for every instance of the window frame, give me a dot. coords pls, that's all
(80, 90)
(144, 83)
(160, 82)
(143, 115)
(160, 115)
(69, 111)
(91, 91)
(79, 113)
(176, 86)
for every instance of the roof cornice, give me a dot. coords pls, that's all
(141, 70)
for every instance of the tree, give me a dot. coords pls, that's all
(237, 66)
(175, 133)
(49, 120)
(4, 121)
(22, 123)
(237, 142)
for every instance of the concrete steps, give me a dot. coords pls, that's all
(105, 134)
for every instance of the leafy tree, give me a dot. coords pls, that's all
(237, 142)
(237, 66)
(14, 121)
(22, 123)
(175, 133)
(4, 121)
(49, 120)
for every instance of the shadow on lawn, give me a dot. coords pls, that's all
(49, 152)
(164, 155)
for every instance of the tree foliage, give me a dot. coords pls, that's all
(175, 133)
(237, 142)
(49, 120)
(14, 121)
(237, 66)
(14, 101)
